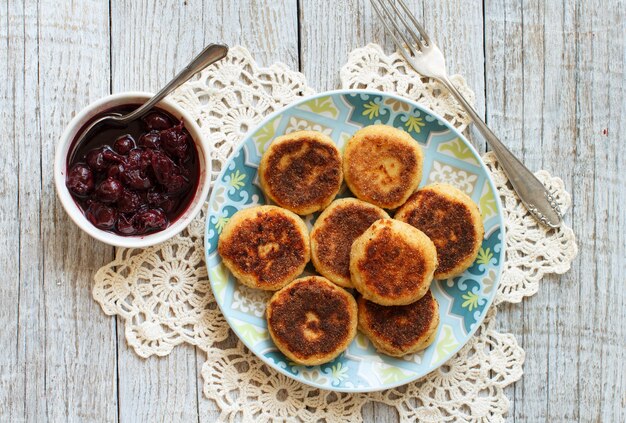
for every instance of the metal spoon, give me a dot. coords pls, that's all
(211, 54)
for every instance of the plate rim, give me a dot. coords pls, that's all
(349, 91)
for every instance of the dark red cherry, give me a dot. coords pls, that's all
(168, 173)
(80, 179)
(145, 158)
(139, 158)
(164, 201)
(150, 140)
(174, 141)
(124, 144)
(134, 159)
(163, 167)
(133, 178)
(158, 121)
(112, 157)
(109, 190)
(126, 225)
(95, 159)
(129, 202)
(115, 171)
(154, 198)
(176, 184)
(101, 216)
(168, 204)
(150, 220)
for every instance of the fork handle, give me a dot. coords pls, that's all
(539, 202)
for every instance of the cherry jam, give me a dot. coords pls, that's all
(136, 179)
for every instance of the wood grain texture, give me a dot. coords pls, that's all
(329, 31)
(562, 87)
(12, 377)
(548, 77)
(596, 183)
(505, 100)
(51, 370)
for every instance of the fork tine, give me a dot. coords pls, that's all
(419, 26)
(390, 32)
(390, 16)
(397, 42)
(406, 24)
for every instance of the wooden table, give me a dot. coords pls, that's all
(548, 76)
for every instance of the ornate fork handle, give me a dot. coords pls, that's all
(539, 202)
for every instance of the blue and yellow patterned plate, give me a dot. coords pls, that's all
(463, 300)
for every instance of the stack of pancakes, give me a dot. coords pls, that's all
(355, 244)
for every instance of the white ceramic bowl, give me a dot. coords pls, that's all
(60, 171)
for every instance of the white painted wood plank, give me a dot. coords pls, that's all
(561, 298)
(11, 82)
(610, 221)
(331, 30)
(31, 317)
(158, 388)
(571, 88)
(598, 192)
(145, 54)
(505, 113)
(60, 360)
(79, 341)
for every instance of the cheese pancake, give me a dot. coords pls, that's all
(400, 330)
(334, 232)
(312, 320)
(392, 263)
(265, 247)
(451, 220)
(301, 171)
(382, 165)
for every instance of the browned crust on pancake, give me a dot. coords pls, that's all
(397, 264)
(302, 171)
(367, 176)
(266, 249)
(392, 267)
(335, 231)
(399, 330)
(312, 320)
(450, 223)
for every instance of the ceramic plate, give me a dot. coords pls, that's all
(463, 300)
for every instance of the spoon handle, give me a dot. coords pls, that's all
(211, 54)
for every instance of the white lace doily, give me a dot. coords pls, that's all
(164, 297)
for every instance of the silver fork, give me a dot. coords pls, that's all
(426, 58)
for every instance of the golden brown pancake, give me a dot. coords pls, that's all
(312, 320)
(265, 247)
(392, 263)
(400, 330)
(334, 232)
(301, 171)
(451, 220)
(382, 165)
